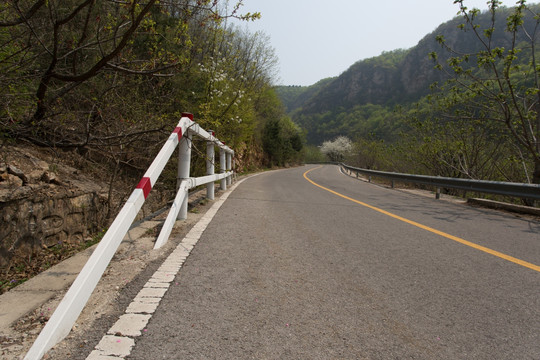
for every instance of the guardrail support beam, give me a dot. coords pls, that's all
(229, 168)
(210, 157)
(222, 168)
(184, 163)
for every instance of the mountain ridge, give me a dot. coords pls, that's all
(398, 77)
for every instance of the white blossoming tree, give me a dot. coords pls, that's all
(337, 149)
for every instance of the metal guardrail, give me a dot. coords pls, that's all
(69, 309)
(519, 190)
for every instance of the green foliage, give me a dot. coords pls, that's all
(281, 139)
(495, 86)
(360, 121)
(282, 142)
(371, 154)
(454, 147)
(313, 154)
(234, 75)
(273, 143)
(109, 79)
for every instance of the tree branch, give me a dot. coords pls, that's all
(24, 17)
(107, 58)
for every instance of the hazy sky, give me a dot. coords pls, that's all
(316, 39)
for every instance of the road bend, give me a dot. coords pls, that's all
(308, 263)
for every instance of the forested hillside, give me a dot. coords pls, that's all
(464, 102)
(109, 79)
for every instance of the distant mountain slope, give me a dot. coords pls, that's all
(293, 97)
(399, 77)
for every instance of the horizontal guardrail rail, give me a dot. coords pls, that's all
(69, 309)
(519, 190)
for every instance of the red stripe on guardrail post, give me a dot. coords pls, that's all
(188, 115)
(178, 131)
(145, 185)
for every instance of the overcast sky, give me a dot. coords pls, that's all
(316, 39)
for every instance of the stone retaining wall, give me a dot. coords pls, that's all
(31, 223)
(45, 202)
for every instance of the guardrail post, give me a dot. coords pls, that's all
(222, 168)
(184, 162)
(210, 157)
(229, 168)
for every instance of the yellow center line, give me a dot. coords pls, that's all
(427, 228)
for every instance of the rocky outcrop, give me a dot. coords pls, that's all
(44, 204)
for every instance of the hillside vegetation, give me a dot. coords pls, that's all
(463, 102)
(109, 79)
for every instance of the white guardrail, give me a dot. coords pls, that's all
(69, 309)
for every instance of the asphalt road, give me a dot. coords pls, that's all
(288, 270)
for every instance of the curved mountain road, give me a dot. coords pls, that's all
(289, 270)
